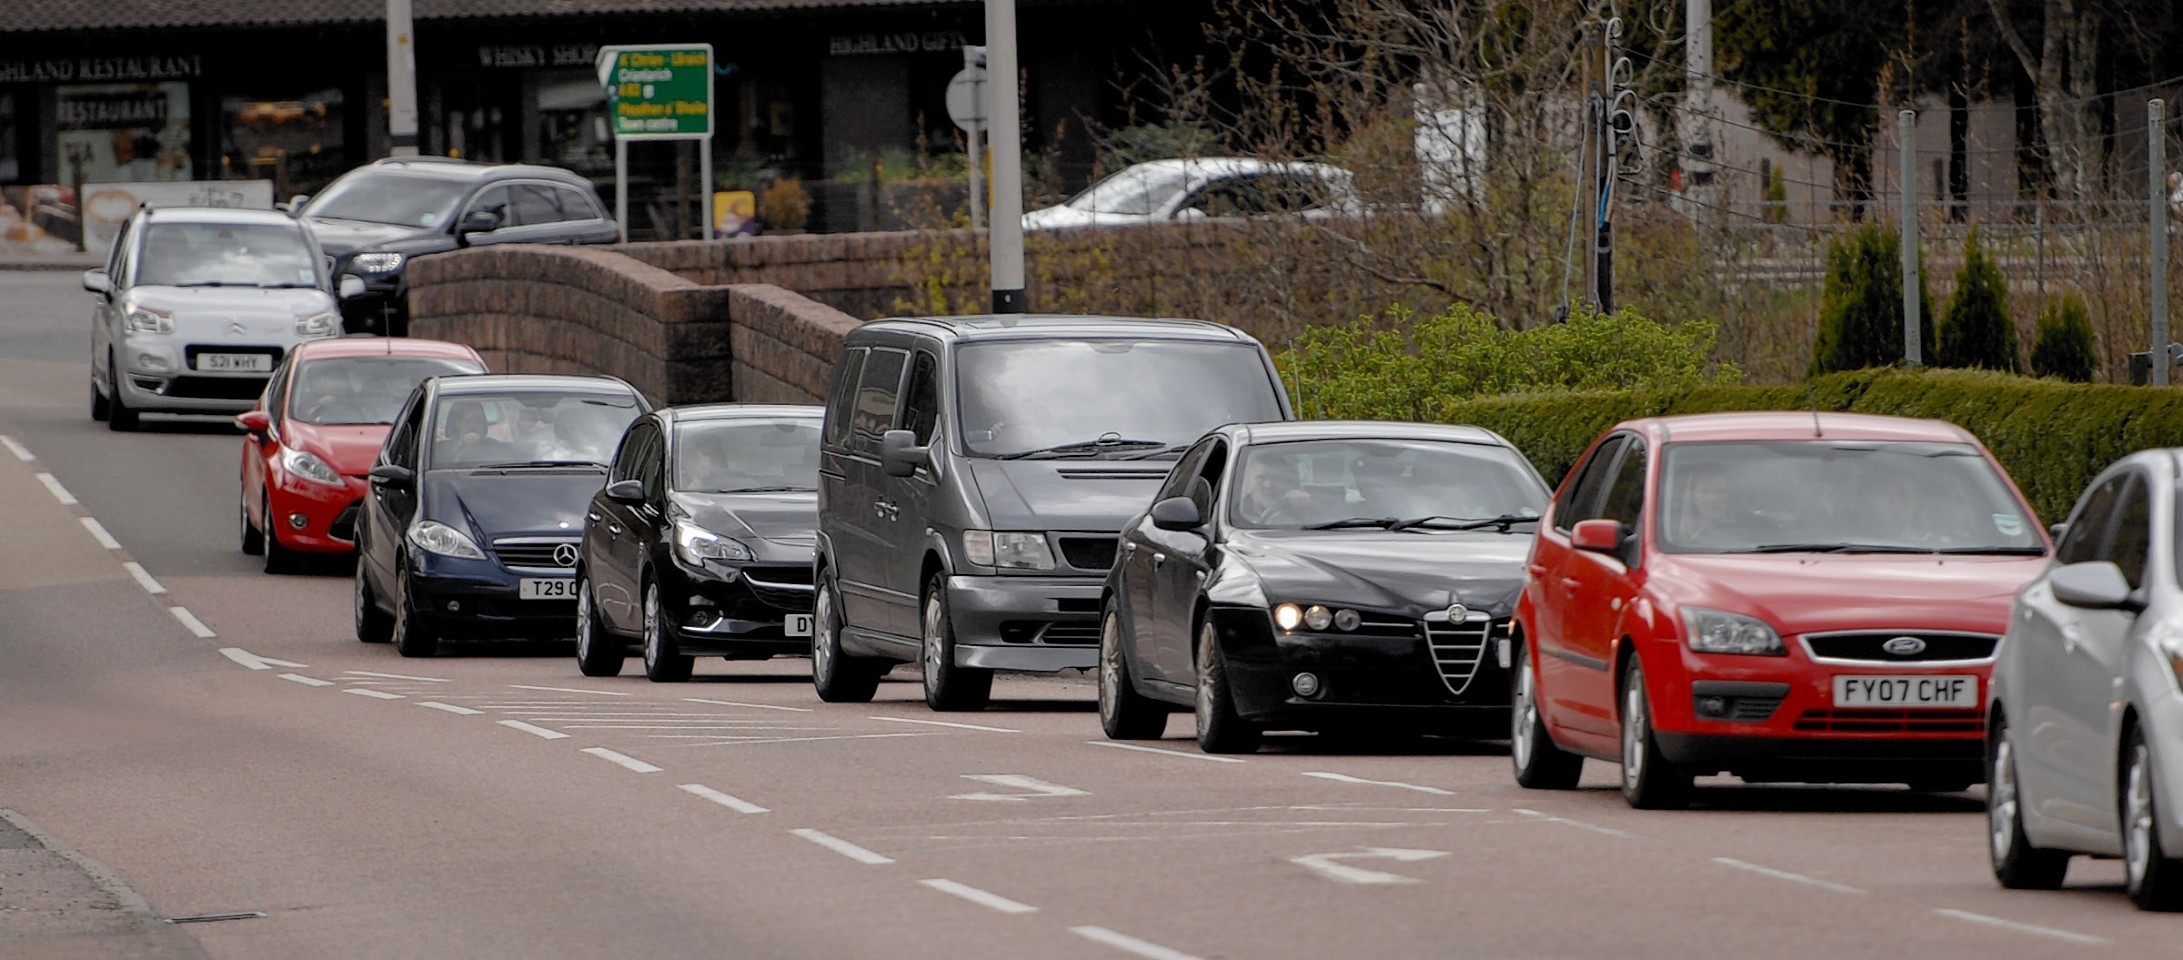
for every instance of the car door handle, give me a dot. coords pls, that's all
(614, 529)
(1571, 583)
(1537, 569)
(594, 515)
(1159, 559)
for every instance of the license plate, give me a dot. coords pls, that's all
(798, 625)
(235, 362)
(546, 588)
(1958, 691)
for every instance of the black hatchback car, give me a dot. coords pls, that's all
(471, 528)
(1321, 575)
(700, 542)
(376, 218)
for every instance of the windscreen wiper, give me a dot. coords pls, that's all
(1996, 551)
(1385, 522)
(1150, 454)
(1504, 521)
(522, 464)
(766, 490)
(1100, 445)
(1836, 548)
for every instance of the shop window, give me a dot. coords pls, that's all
(123, 132)
(294, 138)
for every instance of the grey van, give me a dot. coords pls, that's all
(975, 475)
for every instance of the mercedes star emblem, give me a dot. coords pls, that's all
(565, 554)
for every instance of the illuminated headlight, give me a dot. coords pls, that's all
(147, 320)
(318, 324)
(308, 466)
(1288, 616)
(377, 262)
(432, 536)
(1715, 631)
(695, 545)
(1007, 550)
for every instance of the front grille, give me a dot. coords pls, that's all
(797, 575)
(786, 597)
(537, 554)
(1869, 646)
(1741, 709)
(1043, 631)
(1088, 553)
(1458, 649)
(1892, 721)
(344, 527)
(216, 388)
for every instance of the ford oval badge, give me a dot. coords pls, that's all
(1904, 646)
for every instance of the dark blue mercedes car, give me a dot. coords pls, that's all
(476, 508)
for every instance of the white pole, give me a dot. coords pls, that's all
(705, 180)
(1006, 131)
(1906, 131)
(2156, 163)
(977, 176)
(401, 82)
(621, 186)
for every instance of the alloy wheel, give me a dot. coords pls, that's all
(1110, 671)
(822, 633)
(584, 639)
(1526, 714)
(1634, 724)
(652, 652)
(2001, 805)
(2137, 837)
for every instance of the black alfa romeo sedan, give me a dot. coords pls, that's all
(1324, 576)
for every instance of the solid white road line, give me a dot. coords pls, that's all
(1786, 875)
(143, 578)
(98, 533)
(943, 723)
(395, 676)
(53, 486)
(596, 693)
(621, 760)
(20, 452)
(980, 897)
(1579, 824)
(1981, 918)
(539, 732)
(758, 706)
(1171, 753)
(840, 846)
(727, 741)
(1125, 942)
(732, 803)
(252, 660)
(374, 694)
(195, 626)
(451, 708)
(306, 681)
(1345, 778)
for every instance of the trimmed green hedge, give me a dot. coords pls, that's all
(2052, 436)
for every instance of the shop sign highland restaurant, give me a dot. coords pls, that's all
(101, 69)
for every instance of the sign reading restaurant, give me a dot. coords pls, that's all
(102, 69)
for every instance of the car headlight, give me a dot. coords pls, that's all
(1317, 616)
(1008, 550)
(377, 262)
(318, 324)
(695, 545)
(432, 536)
(308, 466)
(147, 320)
(1716, 631)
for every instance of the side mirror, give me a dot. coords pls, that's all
(98, 282)
(625, 491)
(477, 221)
(1177, 513)
(254, 423)
(392, 475)
(2057, 531)
(2093, 585)
(295, 204)
(899, 454)
(1601, 536)
(351, 286)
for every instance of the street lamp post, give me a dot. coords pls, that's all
(1004, 132)
(401, 82)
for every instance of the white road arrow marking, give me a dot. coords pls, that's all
(1323, 864)
(255, 662)
(1037, 787)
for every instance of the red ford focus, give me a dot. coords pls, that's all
(315, 432)
(1782, 597)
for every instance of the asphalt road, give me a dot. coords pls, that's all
(210, 740)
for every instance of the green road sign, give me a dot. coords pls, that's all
(659, 92)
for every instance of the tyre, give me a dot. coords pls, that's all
(837, 676)
(1649, 781)
(278, 559)
(373, 625)
(1124, 714)
(100, 409)
(1540, 765)
(119, 418)
(947, 686)
(412, 636)
(2154, 880)
(599, 653)
(1220, 728)
(663, 661)
(2017, 864)
(253, 542)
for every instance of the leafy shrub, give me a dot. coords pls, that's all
(784, 207)
(1977, 330)
(1861, 304)
(1413, 369)
(1156, 141)
(1777, 197)
(2064, 347)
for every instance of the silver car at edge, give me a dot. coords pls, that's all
(2085, 712)
(196, 306)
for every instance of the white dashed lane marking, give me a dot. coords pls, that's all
(98, 533)
(595, 693)
(394, 676)
(143, 578)
(1786, 875)
(306, 681)
(451, 708)
(621, 760)
(1579, 824)
(982, 898)
(840, 846)
(1129, 944)
(1171, 753)
(374, 694)
(195, 626)
(53, 486)
(539, 732)
(1980, 918)
(1346, 778)
(754, 706)
(16, 448)
(733, 803)
(944, 723)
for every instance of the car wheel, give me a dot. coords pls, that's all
(372, 624)
(662, 661)
(837, 676)
(278, 559)
(100, 409)
(1124, 714)
(1539, 763)
(412, 636)
(119, 418)
(947, 686)
(1220, 728)
(2154, 880)
(598, 652)
(1649, 781)
(253, 541)
(2017, 864)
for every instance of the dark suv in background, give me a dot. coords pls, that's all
(377, 217)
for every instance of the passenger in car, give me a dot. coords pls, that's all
(1707, 508)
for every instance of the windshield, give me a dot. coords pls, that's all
(746, 456)
(1133, 191)
(1838, 496)
(383, 198)
(1432, 484)
(226, 254)
(1144, 398)
(363, 389)
(475, 430)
